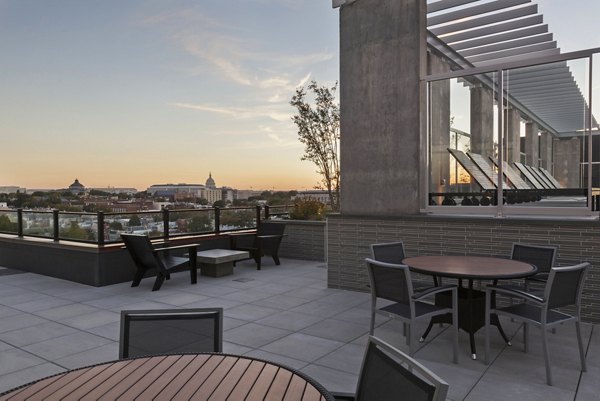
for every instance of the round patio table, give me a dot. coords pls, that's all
(471, 302)
(174, 377)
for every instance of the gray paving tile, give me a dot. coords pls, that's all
(66, 311)
(303, 347)
(67, 345)
(19, 321)
(93, 319)
(181, 298)
(103, 353)
(213, 303)
(322, 309)
(249, 312)
(143, 305)
(36, 334)
(231, 323)
(288, 320)
(589, 385)
(282, 301)
(110, 331)
(15, 359)
(6, 311)
(27, 375)
(42, 304)
(254, 335)
(23, 297)
(347, 358)
(332, 379)
(112, 302)
(336, 330)
(5, 346)
(283, 360)
(231, 348)
(494, 387)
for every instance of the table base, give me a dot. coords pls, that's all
(471, 314)
(216, 270)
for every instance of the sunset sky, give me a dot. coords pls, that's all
(129, 93)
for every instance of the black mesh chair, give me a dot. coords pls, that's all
(265, 241)
(390, 252)
(388, 374)
(542, 257)
(164, 331)
(392, 282)
(563, 288)
(148, 258)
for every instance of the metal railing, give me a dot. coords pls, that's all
(103, 228)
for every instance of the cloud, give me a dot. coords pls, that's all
(240, 112)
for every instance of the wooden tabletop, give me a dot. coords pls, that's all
(470, 267)
(176, 377)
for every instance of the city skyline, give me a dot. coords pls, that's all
(129, 94)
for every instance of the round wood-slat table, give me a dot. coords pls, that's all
(176, 377)
(471, 303)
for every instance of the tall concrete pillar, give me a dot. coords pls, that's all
(546, 150)
(482, 121)
(382, 57)
(532, 144)
(567, 162)
(512, 129)
(439, 124)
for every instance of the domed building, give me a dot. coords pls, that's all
(76, 187)
(210, 183)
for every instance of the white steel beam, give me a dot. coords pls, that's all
(484, 20)
(446, 4)
(469, 12)
(531, 40)
(501, 37)
(510, 25)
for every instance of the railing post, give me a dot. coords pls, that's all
(217, 220)
(267, 212)
(55, 224)
(257, 216)
(100, 228)
(165, 213)
(20, 222)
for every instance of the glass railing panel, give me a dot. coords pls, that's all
(79, 227)
(146, 223)
(9, 222)
(39, 224)
(194, 221)
(238, 218)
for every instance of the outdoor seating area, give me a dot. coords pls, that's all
(284, 314)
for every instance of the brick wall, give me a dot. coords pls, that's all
(349, 238)
(305, 240)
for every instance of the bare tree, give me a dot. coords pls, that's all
(319, 130)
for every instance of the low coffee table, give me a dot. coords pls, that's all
(219, 262)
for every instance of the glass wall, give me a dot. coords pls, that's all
(521, 149)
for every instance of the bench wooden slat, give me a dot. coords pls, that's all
(247, 381)
(179, 381)
(279, 386)
(231, 381)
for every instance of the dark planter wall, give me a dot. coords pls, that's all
(304, 240)
(349, 238)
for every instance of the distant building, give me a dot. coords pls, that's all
(113, 190)
(228, 194)
(210, 183)
(247, 193)
(171, 189)
(12, 190)
(321, 196)
(76, 187)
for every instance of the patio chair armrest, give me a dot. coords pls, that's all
(270, 236)
(433, 290)
(540, 278)
(170, 248)
(343, 396)
(514, 291)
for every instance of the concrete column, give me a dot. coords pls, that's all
(382, 57)
(532, 144)
(546, 150)
(512, 135)
(482, 121)
(567, 159)
(440, 127)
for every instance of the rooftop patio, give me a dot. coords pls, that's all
(285, 314)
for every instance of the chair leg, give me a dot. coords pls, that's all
(580, 343)
(409, 340)
(546, 354)
(137, 278)
(160, 278)
(372, 326)
(525, 337)
(276, 259)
